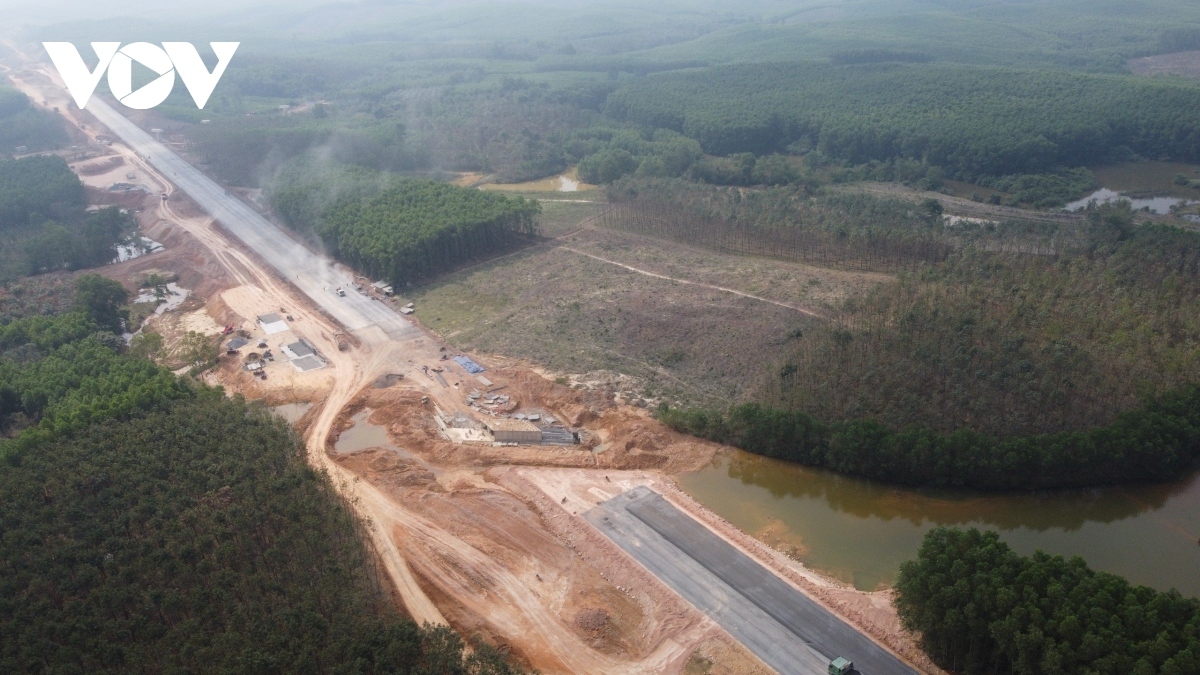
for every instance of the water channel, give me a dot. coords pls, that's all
(860, 531)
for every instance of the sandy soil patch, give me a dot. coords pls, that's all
(1186, 64)
(567, 182)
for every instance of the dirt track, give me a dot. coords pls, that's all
(491, 542)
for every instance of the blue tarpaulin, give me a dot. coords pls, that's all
(470, 365)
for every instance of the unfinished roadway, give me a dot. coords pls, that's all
(313, 274)
(789, 631)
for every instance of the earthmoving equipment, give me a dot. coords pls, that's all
(840, 666)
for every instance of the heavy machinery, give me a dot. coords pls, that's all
(840, 666)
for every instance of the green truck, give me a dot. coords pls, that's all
(840, 666)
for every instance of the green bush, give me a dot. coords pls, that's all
(980, 609)
(404, 230)
(1154, 443)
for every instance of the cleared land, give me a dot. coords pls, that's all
(578, 315)
(1186, 64)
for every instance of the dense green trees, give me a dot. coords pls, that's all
(195, 539)
(1022, 356)
(1010, 344)
(150, 524)
(981, 609)
(102, 300)
(606, 155)
(1153, 443)
(87, 240)
(43, 225)
(971, 121)
(33, 189)
(23, 125)
(403, 230)
(786, 222)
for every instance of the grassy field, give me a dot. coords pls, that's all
(559, 217)
(579, 316)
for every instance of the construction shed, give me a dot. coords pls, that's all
(514, 431)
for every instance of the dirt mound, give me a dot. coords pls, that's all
(96, 168)
(619, 436)
(384, 468)
(126, 199)
(591, 619)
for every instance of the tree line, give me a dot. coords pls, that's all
(43, 223)
(971, 121)
(401, 229)
(22, 125)
(1153, 443)
(981, 609)
(791, 223)
(997, 370)
(1008, 344)
(152, 524)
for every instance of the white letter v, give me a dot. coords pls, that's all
(74, 72)
(199, 82)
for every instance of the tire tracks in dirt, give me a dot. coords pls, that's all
(677, 280)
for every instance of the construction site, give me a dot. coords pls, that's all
(484, 479)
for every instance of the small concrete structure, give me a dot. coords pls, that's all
(303, 356)
(307, 363)
(272, 323)
(299, 349)
(513, 431)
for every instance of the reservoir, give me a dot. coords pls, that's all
(860, 531)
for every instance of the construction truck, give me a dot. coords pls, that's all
(840, 666)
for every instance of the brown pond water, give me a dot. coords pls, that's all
(860, 531)
(365, 435)
(1145, 184)
(292, 412)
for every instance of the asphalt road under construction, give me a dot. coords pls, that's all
(314, 274)
(785, 628)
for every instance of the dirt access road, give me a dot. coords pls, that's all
(491, 549)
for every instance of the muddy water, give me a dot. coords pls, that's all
(1159, 205)
(292, 412)
(860, 531)
(365, 435)
(1145, 184)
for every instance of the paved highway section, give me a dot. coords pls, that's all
(778, 647)
(783, 627)
(316, 276)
